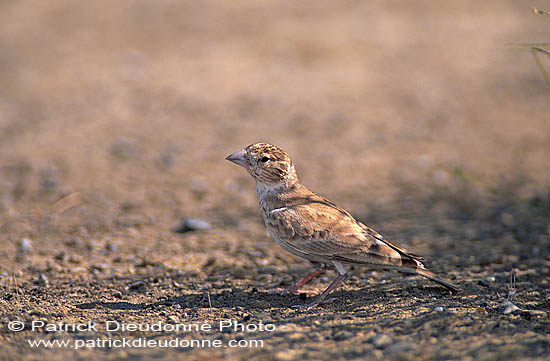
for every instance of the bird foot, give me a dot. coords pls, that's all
(314, 304)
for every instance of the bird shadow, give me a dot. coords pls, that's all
(253, 300)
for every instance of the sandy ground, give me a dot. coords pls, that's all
(115, 119)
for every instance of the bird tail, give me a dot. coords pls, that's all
(431, 276)
(412, 263)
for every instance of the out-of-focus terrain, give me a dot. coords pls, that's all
(116, 117)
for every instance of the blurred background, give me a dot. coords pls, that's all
(116, 117)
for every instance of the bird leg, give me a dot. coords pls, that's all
(308, 278)
(341, 278)
(294, 289)
(342, 275)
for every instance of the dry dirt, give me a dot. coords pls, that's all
(116, 117)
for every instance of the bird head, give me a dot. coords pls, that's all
(266, 163)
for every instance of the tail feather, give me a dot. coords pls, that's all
(414, 263)
(431, 276)
(381, 253)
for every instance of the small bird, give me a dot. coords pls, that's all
(312, 227)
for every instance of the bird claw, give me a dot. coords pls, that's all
(306, 307)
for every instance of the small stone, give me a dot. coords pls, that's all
(262, 316)
(209, 262)
(483, 283)
(91, 245)
(192, 224)
(77, 269)
(400, 347)
(173, 319)
(43, 280)
(343, 335)
(507, 307)
(240, 273)
(125, 149)
(137, 285)
(288, 327)
(439, 309)
(101, 267)
(198, 187)
(74, 259)
(168, 156)
(381, 340)
(109, 247)
(24, 246)
(49, 178)
(481, 311)
(297, 336)
(287, 355)
(74, 242)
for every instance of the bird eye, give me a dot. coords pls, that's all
(264, 159)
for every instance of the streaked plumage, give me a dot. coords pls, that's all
(312, 227)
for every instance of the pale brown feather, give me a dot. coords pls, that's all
(312, 227)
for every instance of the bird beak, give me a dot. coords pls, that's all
(238, 158)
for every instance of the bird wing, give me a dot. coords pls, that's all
(323, 230)
(316, 229)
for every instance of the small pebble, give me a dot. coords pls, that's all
(483, 283)
(381, 340)
(400, 347)
(49, 178)
(91, 245)
(192, 224)
(343, 335)
(137, 285)
(481, 311)
(43, 280)
(297, 336)
(173, 319)
(125, 149)
(507, 307)
(101, 267)
(262, 316)
(109, 247)
(287, 355)
(74, 242)
(24, 246)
